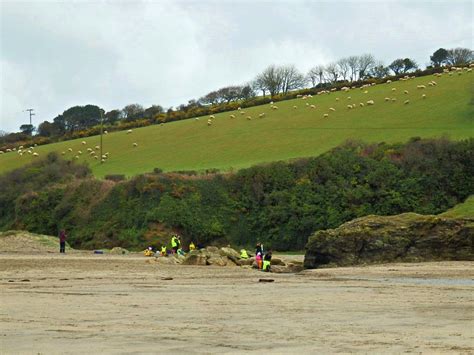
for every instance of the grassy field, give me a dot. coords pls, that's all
(465, 209)
(284, 133)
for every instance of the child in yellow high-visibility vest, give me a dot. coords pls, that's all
(267, 260)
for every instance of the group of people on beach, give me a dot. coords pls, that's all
(263, 259)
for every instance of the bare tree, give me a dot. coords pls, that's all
(316, 75)
(259, 84)
(272, 79)
(291, 78)
(366, 63)
(344, 68)
(459, 56)
(353, 63)
(331, 72)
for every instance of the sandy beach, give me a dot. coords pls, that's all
(85, 303)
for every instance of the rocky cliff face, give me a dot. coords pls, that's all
(405, 237)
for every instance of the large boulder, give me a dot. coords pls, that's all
(218, 260)
(405, 237)
(195, 259)
(232, 254)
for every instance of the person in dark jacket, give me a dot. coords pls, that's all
(62, 241)
(259, 249)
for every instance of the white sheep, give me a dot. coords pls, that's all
(349, 107)
(76, 157)
(389, 81)
(423, 96)
(9, 150)
(83, 142)
(261, 115)
(105, 132)
(326, 115)
(242, 112)
(394, 99)
(405, 92)
(70, 150)
(370, 102)
(406, 102)
(1, 152)
(387, 99)
(211, 117)
(434, 82)
(129, 131)
(337, 99)
(96, 148)
(209, 122)
(103, 160)
(332, 109)
(232, 116)
(271, 102)
(35, 154)
(366, 92)
(312, 106)
(249, 117)
(274, 107)
(295, 107)
(361, 104)
(349, 98)
(421, 87)
(20, 147)
(135, 145)
(394, 89)
(62, 153)
(96, 157)
(239, 108)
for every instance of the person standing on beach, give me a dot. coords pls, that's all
(62, 241)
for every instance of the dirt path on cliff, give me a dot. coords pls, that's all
(86, 303)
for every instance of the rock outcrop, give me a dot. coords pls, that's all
(405, 237)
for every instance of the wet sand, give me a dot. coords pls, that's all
(83, 303)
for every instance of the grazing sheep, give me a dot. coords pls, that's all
(295, 107)
(103, 160)
(326, 115)
(79, 151)
(406, 102)
(105, 132)
(349, 107)
(349, 98)
(96, 157)
(96, 148)
(361, 104)
(370, 102)
(469, 70)
(83, 142)
(70, 149)
(63, 153)
(271, 102)
(423, 96)
(135, 145)
(1, 152)
(298, 96)
(387, 99)
(421, 87)
(239, 108)
(129, 131)
(76, 157)
(9, 150)
(20, 147)
(389, 81)
(274, 107)
(249, 117)
(242, 112)
(434, 82)
(394, 99)
(405, 92)
(312, 106)
(394, 89)
(337, 99)
(261, 115)
(211, 117)
(35, 154)
(232, 116)
(333, 89)
(332, 109)
(209, 122)
(14, 149)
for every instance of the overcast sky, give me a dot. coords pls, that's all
(55, 55)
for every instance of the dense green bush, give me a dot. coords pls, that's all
(279, 204)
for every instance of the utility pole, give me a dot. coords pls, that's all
(30, 110)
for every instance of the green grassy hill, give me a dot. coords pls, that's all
(465, 209)
(284, 133)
